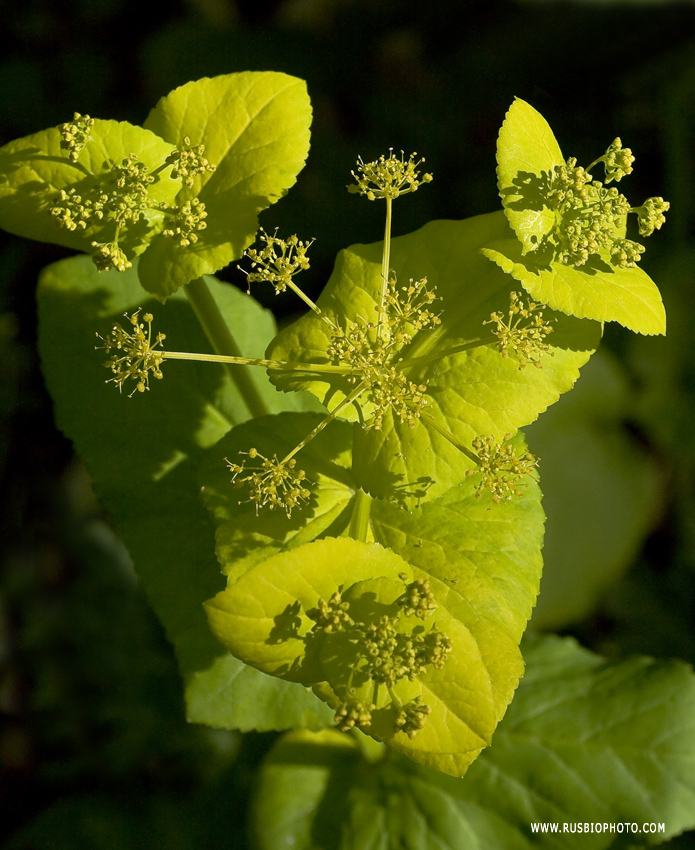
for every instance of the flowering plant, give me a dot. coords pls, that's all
(360, 477)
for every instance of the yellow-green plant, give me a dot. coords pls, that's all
(360, 477)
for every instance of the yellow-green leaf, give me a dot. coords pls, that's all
(525, 146)
(262, 618)
(469, 392)
(34, 169)
(527, 154)
(255, 129)
(628, 296)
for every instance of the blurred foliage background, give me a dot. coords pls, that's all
(92, 731)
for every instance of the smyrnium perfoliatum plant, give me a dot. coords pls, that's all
(360, 477)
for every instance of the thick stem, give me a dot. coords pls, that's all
(359, 521)
(220, 337)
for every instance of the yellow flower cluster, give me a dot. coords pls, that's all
(384, 652)
(133, 355)
(188, 162)
(523, 331)
(502, 467)
(273, 483)
(388, 177)
(278, 261)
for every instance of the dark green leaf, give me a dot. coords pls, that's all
(585, 741)
(143, 455)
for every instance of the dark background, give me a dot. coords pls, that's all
(92, 725)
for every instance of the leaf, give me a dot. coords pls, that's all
(628, 296)
(257, 615)
(525, 146)
(315, 761)
(617, 738)
(469, 393)
(246, 537)
(33, 169)
(585, 741)
(143, 456)
(255, 128)
(488, 556)
(483, 557)
(262, 618)
(231, 695)
(527, 153)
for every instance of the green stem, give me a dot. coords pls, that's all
(450, 437)
(328, 419)
(220, 337)
(348, 686)
(394, 697)
(438, 355)
(359, 521)
(305, 298)
(385, 262)
(158, 170)
(286, 365)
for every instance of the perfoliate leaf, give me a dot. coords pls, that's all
(255, 129)
(482, 559)
(470, 392)
(263, 619)
(34, 169)
(143, 455)
(628, 296)
(592, 285)
(585, 741)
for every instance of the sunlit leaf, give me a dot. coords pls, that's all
(469, 393)
(255, 129)
(483, 558)
(527, 153)
(34, 169)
